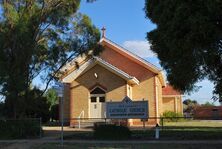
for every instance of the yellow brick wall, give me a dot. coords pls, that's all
(169, 104)
(180, 105)
(116, 88)
(145, 90)
(79, 100)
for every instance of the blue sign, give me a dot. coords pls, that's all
(59, 88)
(127, 109)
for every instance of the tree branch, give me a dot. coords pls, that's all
(55, 72)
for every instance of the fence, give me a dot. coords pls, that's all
(163, 122)
(170, 127)
(20, 128)
(177, 128)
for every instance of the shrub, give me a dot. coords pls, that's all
(19, 129)
(2, 109)
(170, 116)
(111, 132)
(54, 112)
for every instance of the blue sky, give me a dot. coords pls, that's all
(126, 25)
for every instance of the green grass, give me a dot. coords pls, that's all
(180, 134)
(185, 130)
(168, 133)
(195, 123)
(128, 146)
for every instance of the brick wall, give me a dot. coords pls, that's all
(173, 103)
(80, 89)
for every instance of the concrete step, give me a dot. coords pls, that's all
(88, 123)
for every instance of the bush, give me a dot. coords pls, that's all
(170, 116)
(54, 112)
(33, 105)
(111, 132)
(2, 109)
(19, 129)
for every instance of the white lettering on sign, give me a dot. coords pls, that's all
(127, 109)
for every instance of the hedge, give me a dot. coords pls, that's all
(111, 132)
(20, 129)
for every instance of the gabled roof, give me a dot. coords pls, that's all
(104, 41)
(147, 64)
(94, 61)
(169, 90)
(70, 67)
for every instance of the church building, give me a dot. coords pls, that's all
(112, 75)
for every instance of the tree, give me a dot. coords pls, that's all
(1, 109)
(208, 104)
(54, 112)
(189, 105)
(51, 97)
(188, 41)
(37, 38)
(32, 106)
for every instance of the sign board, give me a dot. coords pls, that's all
(59, 88)
(127, 109)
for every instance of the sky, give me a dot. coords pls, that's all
(126, 25)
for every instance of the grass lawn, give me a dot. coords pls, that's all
(133, 146)
(186, 130)
(195, 123)
(165, 134)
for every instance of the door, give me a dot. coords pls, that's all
(97, 103)
(97, 106)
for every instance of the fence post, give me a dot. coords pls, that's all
(40, 128)
(144, 125)
(157, 132)
(162, 122)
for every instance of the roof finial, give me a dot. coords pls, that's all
(103, 32)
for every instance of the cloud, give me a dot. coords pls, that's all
(139, 47)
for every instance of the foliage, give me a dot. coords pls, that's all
(208, 104)
(51, 97)
(111, 132)
(170, 116)
(54, 112)
(1, 109)
(189, 105)
(188, 41)
(31, 106)
(18, 129)
(37, 38)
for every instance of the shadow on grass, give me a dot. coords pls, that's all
(168, 133)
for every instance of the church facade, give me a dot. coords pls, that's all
(111, 76)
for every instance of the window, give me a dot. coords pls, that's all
(97, 95)
(101, 99)
(93, 99)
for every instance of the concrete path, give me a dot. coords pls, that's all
(28, 144)
(117, 142)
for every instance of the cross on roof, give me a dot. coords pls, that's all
(103, 32)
